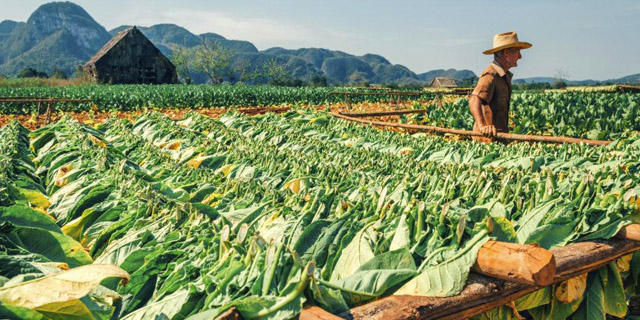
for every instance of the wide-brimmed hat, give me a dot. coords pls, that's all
(506, 40)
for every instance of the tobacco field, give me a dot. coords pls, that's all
(185, 219)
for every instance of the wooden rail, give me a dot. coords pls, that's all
(499, 135)
(482, 293)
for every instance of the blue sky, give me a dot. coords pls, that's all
(583, 39)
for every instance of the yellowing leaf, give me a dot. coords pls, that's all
(72, 309)
(571, 290)
(35, 197)
(295, 185)
(59, 287)
(98, 142)
(226, 169)
(405, 150)
(197, 161)
(175, 145)
(212, 197)
(624, 262)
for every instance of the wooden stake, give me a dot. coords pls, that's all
(527, 264)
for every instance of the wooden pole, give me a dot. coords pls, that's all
(500, 135)
(482, 293)
(48, 117)
(630, 232)
(317, 313)
(528, 264)
(382, 113)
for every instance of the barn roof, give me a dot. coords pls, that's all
(443, 82)
(107, 47)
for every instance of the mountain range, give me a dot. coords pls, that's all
(62, 35)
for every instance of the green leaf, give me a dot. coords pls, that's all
(174, 306)
(54, 246)
(377, 276)
(592, 307)
(449, 277)
(530, 221)
(357, 253)
(402, 237)
(535, 299)
(27, 217)
(554, 234)
(615, 301)
(503, 230)
(11, 312)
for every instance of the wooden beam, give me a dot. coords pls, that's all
(483, 293)
(528, 264)
(317, 313)
(499, 135)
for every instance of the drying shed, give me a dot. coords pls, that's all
(443, 82)
(130, 58)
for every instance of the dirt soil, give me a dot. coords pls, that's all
(93, 117)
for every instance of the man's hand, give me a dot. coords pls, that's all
(488, 131)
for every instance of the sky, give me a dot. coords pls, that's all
(580, 39)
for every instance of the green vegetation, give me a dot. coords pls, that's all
(584, 115)
(137, 97)
(266, 213)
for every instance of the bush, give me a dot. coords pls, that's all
(318, 81)
(559, 84)
(31, 73)
(58, 74)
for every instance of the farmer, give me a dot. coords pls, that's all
(489, 102)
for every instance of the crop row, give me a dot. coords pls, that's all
(265, 213)
(137, 97)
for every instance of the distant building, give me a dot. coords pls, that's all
(443, 82)
(130, 58)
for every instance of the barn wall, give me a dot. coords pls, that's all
(135, 60)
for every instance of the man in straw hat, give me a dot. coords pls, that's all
(489, 102)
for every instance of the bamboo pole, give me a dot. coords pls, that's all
(528, 264)
(500, 135)
(482, 293)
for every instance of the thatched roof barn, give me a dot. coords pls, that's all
(129, 57)
(443, 82)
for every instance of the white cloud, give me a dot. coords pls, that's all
(261, 31)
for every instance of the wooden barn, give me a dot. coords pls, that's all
(443, 82)
(130, 58)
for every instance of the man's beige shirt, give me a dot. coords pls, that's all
(494, 91)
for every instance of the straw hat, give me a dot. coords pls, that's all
(506, 40)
